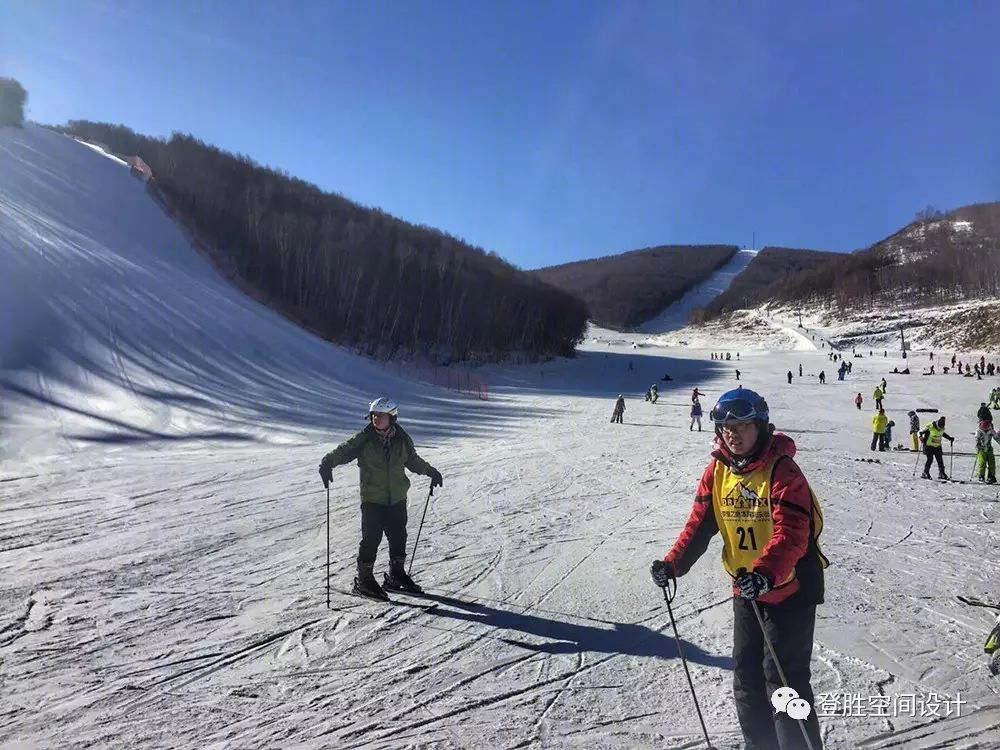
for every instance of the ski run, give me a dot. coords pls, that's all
(163, 530)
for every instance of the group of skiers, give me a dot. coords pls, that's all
(932, 435)
(751, 492)
(727, 357)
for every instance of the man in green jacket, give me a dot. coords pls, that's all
(383, 449)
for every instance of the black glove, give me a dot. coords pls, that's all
(752, 585)
(436, 479)
(951, 440)
(662, 572)
(326, 474)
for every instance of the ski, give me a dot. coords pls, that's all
(975, 602)
(390, 602)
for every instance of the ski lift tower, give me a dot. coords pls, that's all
(902, 339)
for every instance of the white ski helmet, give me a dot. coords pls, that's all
(383, 405)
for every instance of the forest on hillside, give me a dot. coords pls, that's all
(937, 258)
(763, 276)
(355, 275)
(622, 291)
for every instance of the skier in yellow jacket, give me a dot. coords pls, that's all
(879, 423)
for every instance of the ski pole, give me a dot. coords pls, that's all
(328, 548)
(951, 461)
(421, 528)
(916, 464)
(777, 664)
(668, 598)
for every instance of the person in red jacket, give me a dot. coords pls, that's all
(755, 496)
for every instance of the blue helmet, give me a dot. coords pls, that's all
(740, 404)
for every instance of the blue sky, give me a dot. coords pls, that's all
(549, 132)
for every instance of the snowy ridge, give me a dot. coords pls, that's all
(163, 529)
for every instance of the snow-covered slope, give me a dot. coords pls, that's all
(676, 315)
(163, 556)
(116, 331)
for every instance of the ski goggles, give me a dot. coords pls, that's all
(740, 410)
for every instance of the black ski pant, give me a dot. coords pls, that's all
(881, 440)
(934, 453)
(377, 519)
(789, 626)
(616, 417)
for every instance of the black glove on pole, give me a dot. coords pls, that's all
(668, 598)
(421, 528)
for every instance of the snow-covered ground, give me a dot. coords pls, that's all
(163, 529)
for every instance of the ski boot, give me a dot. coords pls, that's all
(942, 475)
(398, 580)
(366, 585)
(925, 475)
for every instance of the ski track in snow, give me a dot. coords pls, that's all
(164, 588)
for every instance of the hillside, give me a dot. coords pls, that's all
(354, 275)
(115, 331)
(622, 291)
(771, 267)
(944, 259)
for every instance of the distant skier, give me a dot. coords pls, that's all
(888, 434)
(616, 415)
(737, 374)
(858, 401)
(800, 369)
(877, 394)
(383, 450)
(914, 429)
(789, 377)
(822, 377)
(654, 393)
(879, 423)
(984, 414)
(986, 465)
(885, 386)
(695, 414)
(931, 437)
(770, 522)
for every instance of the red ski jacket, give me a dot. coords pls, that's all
(793, 543)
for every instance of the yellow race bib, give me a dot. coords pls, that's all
(742, 507)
